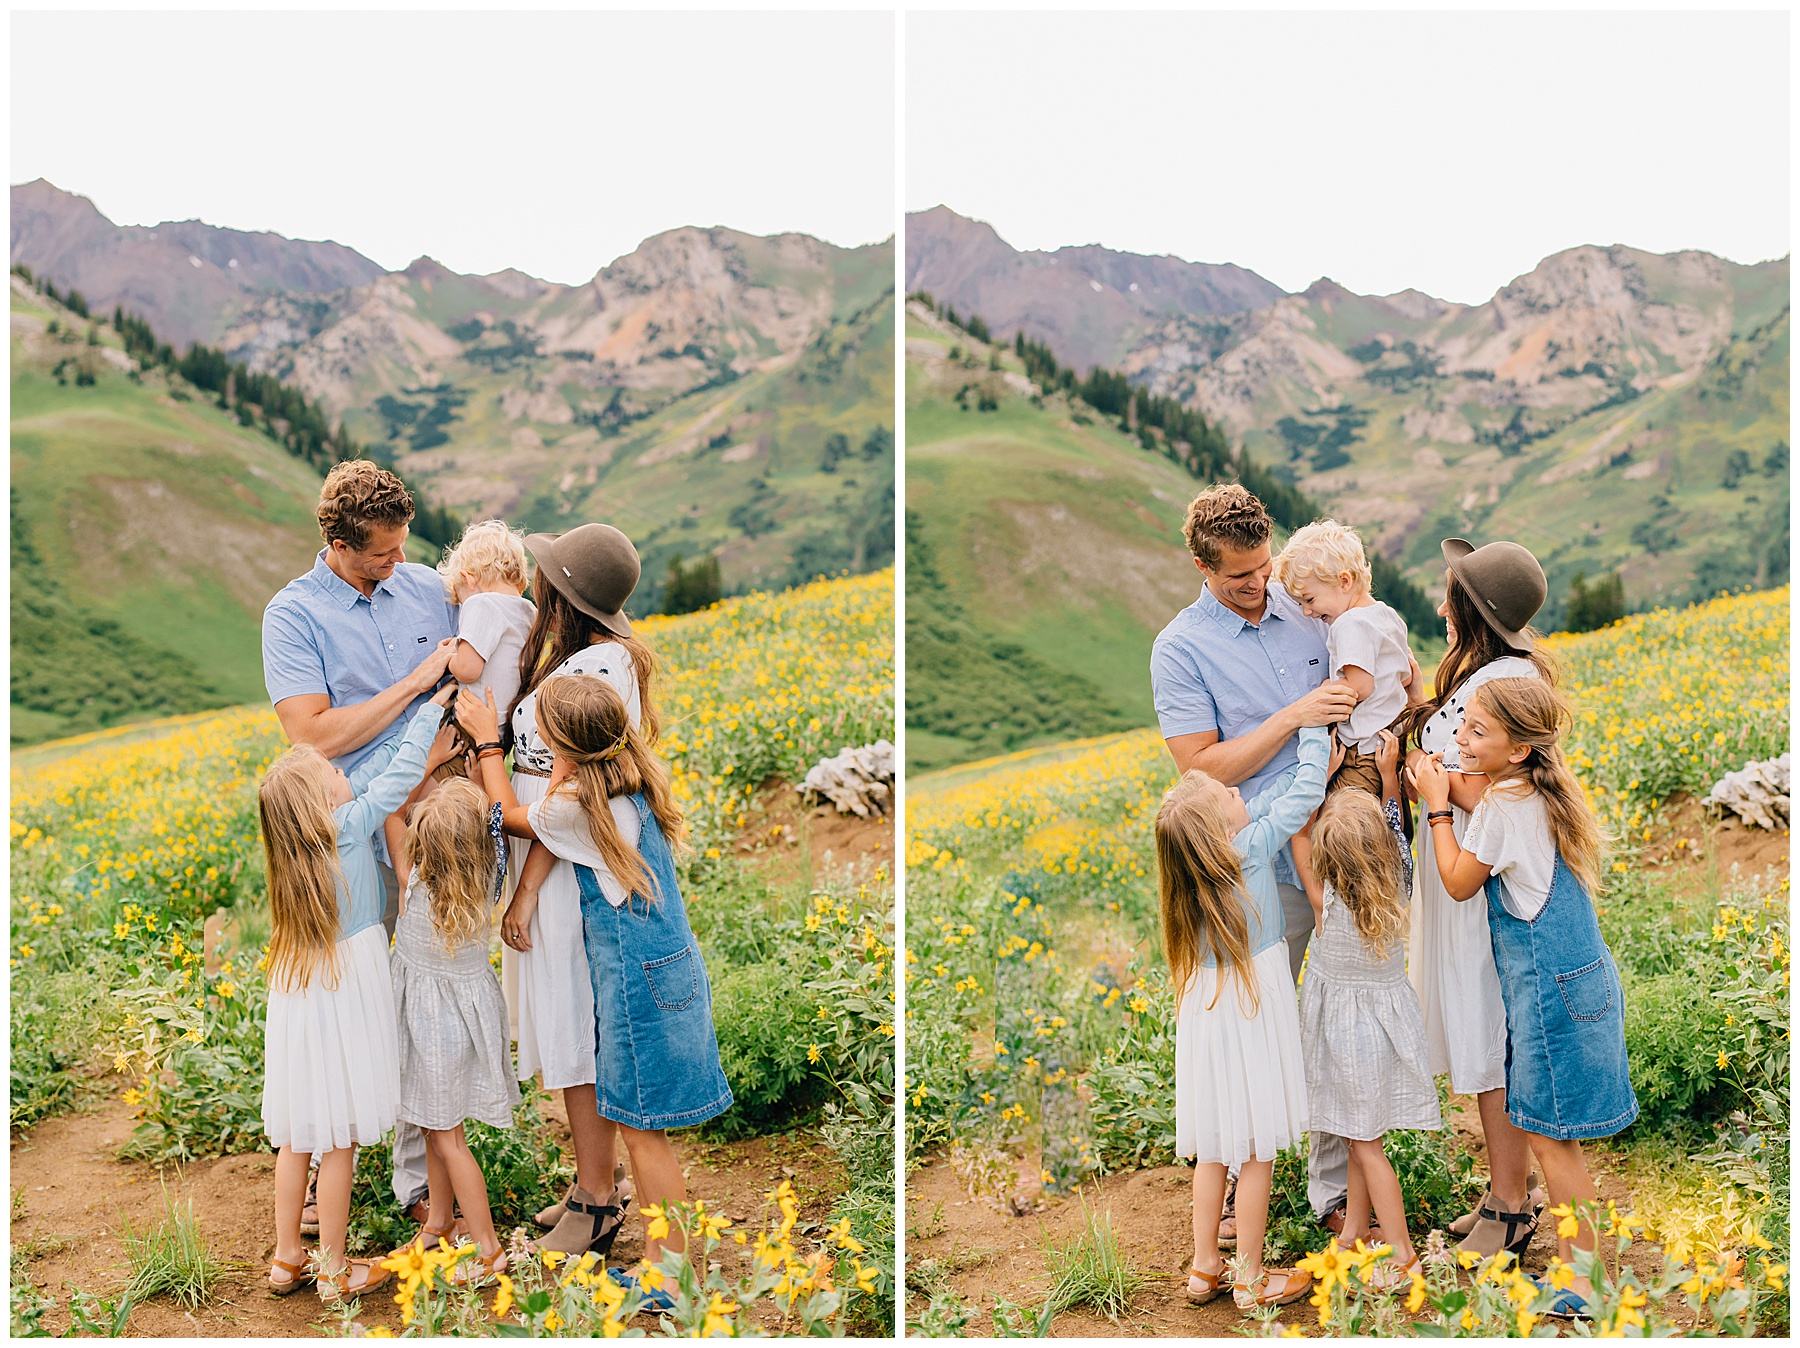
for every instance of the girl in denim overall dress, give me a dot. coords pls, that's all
(1533, 848)
(609, 810)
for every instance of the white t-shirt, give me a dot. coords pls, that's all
(607, 660)
(561, 826)
(1510, 832)
(495, 626)
(1373, 638)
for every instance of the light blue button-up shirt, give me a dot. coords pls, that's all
(323, 635)
(382, 782)
(1212, 670)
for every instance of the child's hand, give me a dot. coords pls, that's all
(443, 748)
(442, 697)
(1387, 757)
(481, 719)
(1337, 757)
(1431, 780)
(515, 927)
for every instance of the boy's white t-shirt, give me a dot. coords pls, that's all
(495, 626)
(1510, 833)
(1373, 638)
(561, 826)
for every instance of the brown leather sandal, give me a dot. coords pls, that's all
(1292, 1285)
(298, 1276)
(1211, 1285)
(332, 1291)
(463, 1275)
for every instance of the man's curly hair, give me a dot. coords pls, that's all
(1227, 515)
(357, 495)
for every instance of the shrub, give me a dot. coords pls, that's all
(1668, 1025)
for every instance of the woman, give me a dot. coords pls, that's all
(1491, 594)
(583, 579)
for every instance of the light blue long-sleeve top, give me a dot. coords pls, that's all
(1276, 815)
(382, 782)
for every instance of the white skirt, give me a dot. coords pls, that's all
(549, 987)
(331, 1057)
(1450, 959)
(1240, 1082)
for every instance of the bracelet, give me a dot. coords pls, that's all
(494, 752)
(491, 744)
(1433, 816)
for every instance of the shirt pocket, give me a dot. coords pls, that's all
(1587, 993)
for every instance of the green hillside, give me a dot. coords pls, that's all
(148, 531)
(1043, 556)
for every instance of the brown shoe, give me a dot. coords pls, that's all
(1496, 1229)
(359, 1277)
(1228, 1218)
(309, 1211)
(1203, 1287)
(1335, 1220)
(297, 1276)
(550, 1216)
(588, 1224)
(1280, 1286)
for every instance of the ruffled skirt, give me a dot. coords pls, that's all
(455, 1058)
(549, 986)
(1240, 1080)
(331, 1071)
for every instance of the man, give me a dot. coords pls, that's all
(350, 651)
(1235, 676)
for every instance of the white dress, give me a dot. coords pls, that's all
(1451, 956)
(331, 1069)
(549, 986)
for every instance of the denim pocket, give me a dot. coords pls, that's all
(674, 979)
(1587, 993)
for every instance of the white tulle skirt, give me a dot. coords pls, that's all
(331, 1057)
(1240, 1080)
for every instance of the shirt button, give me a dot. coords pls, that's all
(390, 645)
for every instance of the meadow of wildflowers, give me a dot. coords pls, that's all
(1040, 1022)
(120, 855)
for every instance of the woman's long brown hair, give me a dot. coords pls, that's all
(1475, 645)
(583, 718)
(559, 630)
(1532, 713)
(1355, 852)
(1202, 884)
(453, 855)
(299, 835)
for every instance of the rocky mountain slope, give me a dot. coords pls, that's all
(1612, 408)
(693, 391)
(1091, 304)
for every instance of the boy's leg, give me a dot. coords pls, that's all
(411, 1178)
(1327, 1173)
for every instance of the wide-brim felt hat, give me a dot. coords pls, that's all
(1506, 583)
(594, 567)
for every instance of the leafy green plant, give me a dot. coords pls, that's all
(171, 1258)
(1090, 1269)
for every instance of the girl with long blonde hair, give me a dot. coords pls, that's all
(1240, 1084)
(330, 1070)
(1533, 848)
(1367, 1069)
(455, 1059)
(610, 813)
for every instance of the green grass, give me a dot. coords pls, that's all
(1091, 1269)
(171, 1258)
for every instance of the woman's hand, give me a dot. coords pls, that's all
(1430, 779)
(515, 926)
(481, 719)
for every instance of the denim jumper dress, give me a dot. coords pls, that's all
(656, 1058)
(1566, 1073)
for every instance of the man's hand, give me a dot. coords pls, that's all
(1327, 704)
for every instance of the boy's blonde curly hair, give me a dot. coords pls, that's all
(488, 551)
(1323, 550)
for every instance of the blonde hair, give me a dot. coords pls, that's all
(1355, 852)
(1201, 883)
(452, 853)
(299, 836)
(1323, 550)
(583, 718)
(1533, 714)
(488, 551)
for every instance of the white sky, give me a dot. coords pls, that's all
(1444, 151)
(549, 142)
